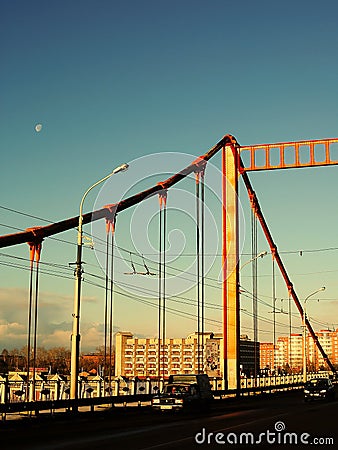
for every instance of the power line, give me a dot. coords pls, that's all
(174, 298)
(25, 214)
(54, 273)
(300, 251)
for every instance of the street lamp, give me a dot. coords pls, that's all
(75, 345)
(304, 332)
(260, 255)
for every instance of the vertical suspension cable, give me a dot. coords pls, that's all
(108, 313)
(35, 322)
(290, 330)
(202, 263)
(274, 300)
(254, 285)
(197, 175)
(111, 305)
(164, 282)
(274, 304)
(106, 310)
(35, 251)
(30, 305)
(159, 292)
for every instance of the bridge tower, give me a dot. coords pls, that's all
(230, 269)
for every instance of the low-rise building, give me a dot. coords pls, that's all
(145, 358)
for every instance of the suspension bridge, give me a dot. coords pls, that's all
(237, 162)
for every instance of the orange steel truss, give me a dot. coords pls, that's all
(300, 154)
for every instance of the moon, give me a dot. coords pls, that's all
(38, 127)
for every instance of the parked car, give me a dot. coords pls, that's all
(184, 392)
(319, 388)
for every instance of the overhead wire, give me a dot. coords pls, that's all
(176, 299)
(172, 268)
(68, 269)
(173, 311)
(302, 252)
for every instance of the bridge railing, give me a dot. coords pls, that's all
(14, 389)
(53, 393)
(50, 388)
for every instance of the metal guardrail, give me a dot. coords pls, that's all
(70, 405)
(142, 392)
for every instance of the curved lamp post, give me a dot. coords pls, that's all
(260, 255)
(75, 344)
(304, 333)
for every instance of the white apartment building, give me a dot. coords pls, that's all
(142, 357)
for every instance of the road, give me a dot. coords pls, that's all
(267, 422)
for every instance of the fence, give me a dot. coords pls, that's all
(51, 392)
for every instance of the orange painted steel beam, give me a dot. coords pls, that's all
(30, 235)
(230, 258)
(300, 153)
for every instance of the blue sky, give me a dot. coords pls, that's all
(117, 81)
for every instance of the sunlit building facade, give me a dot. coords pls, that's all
(288, 352)
(267, 356)
(142, 357)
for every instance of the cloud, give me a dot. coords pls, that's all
(12, 335)
(54, 321)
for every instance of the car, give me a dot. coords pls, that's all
(319, 388)
(184, 392)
